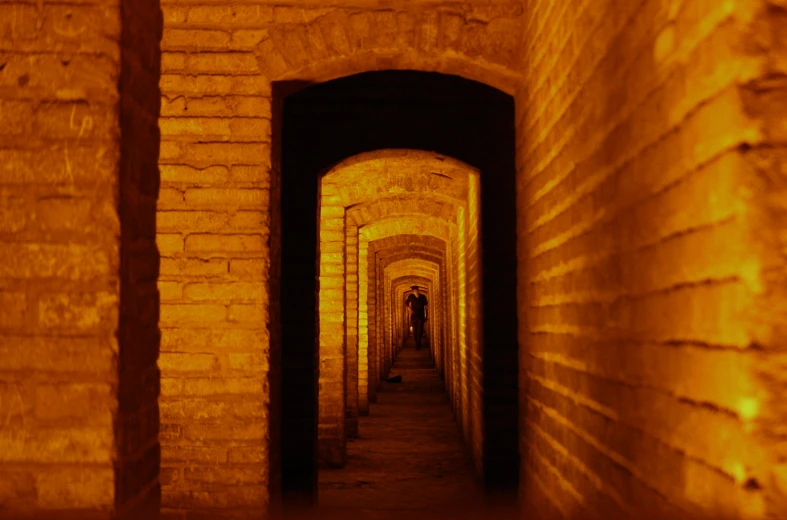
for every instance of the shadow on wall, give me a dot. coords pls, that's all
(138, 457)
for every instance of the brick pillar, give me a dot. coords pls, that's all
(367, 342)
(351, 335)
(332, 449)
(77, 386)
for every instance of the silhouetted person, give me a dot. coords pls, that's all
(417, 305)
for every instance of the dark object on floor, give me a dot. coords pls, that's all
(394, 379)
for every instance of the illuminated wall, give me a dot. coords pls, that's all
(651, 285)
(369, 202)
(644, 155)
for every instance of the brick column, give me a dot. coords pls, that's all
(351, 342)
(78, 304)
(331, 316)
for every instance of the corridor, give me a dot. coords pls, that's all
(213, 213)
(409, 460)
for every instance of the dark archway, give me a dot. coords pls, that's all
(323, 124)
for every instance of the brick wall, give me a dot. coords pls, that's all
(213, 228)
(764, 98)
(217, 67)
(649, 185)
(637, 271)
(60, 147)
(78, 337)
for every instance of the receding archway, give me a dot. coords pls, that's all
(341, 118)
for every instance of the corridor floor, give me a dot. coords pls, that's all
(409, 460)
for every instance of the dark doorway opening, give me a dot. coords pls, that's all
(318, 126)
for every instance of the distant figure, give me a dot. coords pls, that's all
(417, 307)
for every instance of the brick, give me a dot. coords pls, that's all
(224, 476)
(170, 291)
(237, 291)
(211, 85)
(28, 261)
(246, 197)
(17, 488)
(192, 313)
(223, 63)
(221, 14)
(173, 61)
(224, 243)
(196, 267)
(250, 497)
(245, 361)
(75, 401)
(194, 454)
(83, 488)
(203, 410)
(247, 456)
(77, 311)
(57, 445)
(195, 38)
(58, 354)
(232, 386)
(14, 305)
(169, 243)
(247, 38)
(246, 313)
(218, 106)
(171, 362)
(64, 213)
(251, 268)
(172, 173)
(182, 339)
(194, 126)
(190, 221)
(229, 432)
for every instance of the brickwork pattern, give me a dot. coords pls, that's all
(650, 185)
(218, 63)
(375, 187)
(637, 273)
(60, 143)
(378, 249)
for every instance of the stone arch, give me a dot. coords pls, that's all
(475, 42)
(235, 163)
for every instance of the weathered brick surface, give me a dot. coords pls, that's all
(217, 66)
(59, 252)
(80, 306)
(638, 274)
(213, 228)
(650, 252)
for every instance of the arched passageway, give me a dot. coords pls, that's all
(372, 112)
(141, 257)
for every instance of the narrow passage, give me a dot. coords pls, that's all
(410, 459)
